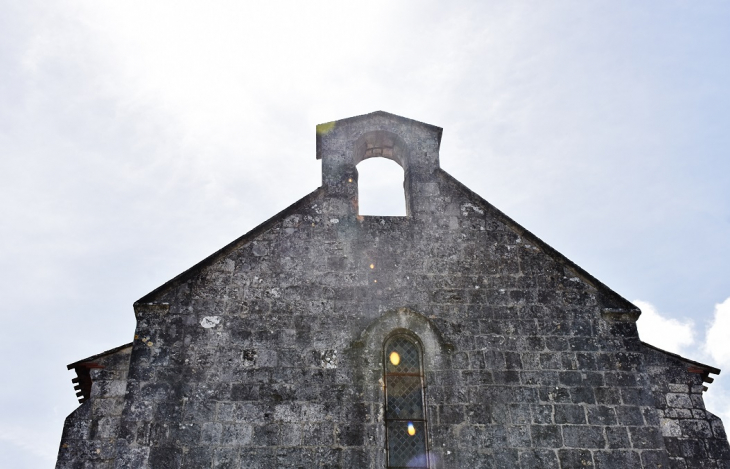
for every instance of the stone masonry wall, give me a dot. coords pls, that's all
(536, 376)
(90, 432)
(693, 436)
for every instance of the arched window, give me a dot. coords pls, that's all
(380, 188)
(405, 414)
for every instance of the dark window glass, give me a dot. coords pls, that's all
(405, 416)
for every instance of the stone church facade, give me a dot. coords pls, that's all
(448, 338)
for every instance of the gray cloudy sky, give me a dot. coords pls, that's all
(138, 137)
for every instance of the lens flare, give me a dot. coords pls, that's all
(394, 358)
(324, 129)
(411, 429)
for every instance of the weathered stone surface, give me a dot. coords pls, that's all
(91, 431)
(270, 352)
(692, 436)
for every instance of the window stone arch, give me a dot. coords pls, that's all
(435, 354)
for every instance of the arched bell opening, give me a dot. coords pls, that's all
(381, 184)
(380, 188)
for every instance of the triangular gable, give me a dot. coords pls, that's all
(615, 306)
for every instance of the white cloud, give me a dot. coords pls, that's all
(678, 336)
(666, 333)
(717, 348)
(28, 439)
(717, 399)
(717, 343)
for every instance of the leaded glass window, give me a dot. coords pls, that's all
(405, 416)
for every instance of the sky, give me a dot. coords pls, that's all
(138, 137)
